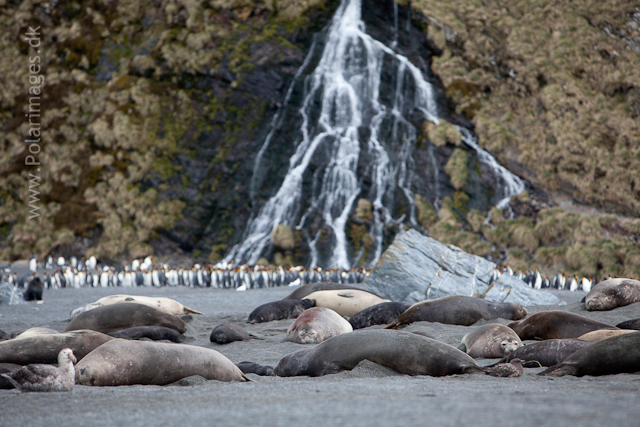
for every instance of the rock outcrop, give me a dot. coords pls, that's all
(416, 267)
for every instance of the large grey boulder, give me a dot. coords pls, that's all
(416, 267)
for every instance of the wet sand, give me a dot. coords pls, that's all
(369, 395)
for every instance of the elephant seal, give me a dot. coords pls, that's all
(629, 324)
(401, 351)
(155, 333)
(254, 368)
(116, 317)
(612, 293)
(166, 305)
(7, 368)
(317, 324)
(546, 353)
(39, 377)
(603, 334)
(548, 325)
(615, 355)
(491, 340)
(345, 302)
(379, 314)
(278, 310)
(45, 348)
(458, 310)
(34, 291)
(226, 333)
(305, 290)
(124, 362)
(31, 332)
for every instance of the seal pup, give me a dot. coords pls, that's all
(401, 351)
(612, 293)
(506, 370)
(116, 317)
(629, 324)
(317, 324)
(229, 332)
(305, 290)
(490, 340)
(345, 302)
(34, 290)
(155, 333)
(38, 377)
(45, 348)
(125, 362)
(546, 353)
(379, 314)
(166, 305)
(254, 368)
(603, 334)
(458, 310)
(615, 355)
(279, 310)
(554, 324)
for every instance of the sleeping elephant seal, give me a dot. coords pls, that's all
(546, 353)
(458, 310)
(310, 288)
(603, 334)
(491, 340)
(279, 310)
(226, 333)
(548, 325)
(155, 333)
(612, 293)
(166, 305)
(615, 355)
(31, 332)
(345, 302)
(116, 317)
(124, 362)
(379, 314)
(45, 348)
(317, 324)
(401, 351)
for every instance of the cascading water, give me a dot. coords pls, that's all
(343, 96)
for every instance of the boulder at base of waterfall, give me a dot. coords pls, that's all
(415, 268)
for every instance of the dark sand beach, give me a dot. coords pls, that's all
(369, 395)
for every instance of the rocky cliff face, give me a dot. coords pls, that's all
(153, 113)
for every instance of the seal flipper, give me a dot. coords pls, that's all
(11, 380)
(462, 347)
(583, 299)
(345, 295)
(559, 370)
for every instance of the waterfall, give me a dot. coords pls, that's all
(341, 97)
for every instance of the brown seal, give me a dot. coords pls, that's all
(316, 325)
(279, 310)
(45, 348)
(548, 325)
(615, 355)
(116, 317)
(491, 340)
(458, 310)
(612, 293)
(401, 351)
(379, 314)
(125, 362)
